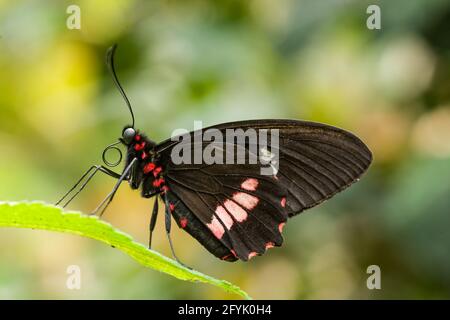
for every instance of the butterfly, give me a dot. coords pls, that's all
(236, 209)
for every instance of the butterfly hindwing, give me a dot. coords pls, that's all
(243, 213)
(189, 222)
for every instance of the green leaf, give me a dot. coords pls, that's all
(36, 215)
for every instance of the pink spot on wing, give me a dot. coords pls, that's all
(281, 226)
(252, 254)
(246, 200)
(171, 207)
(183, 222)
(283, 202)
(225, 257)
(224, 217)
(236, 210)
(250, 184)
(216, 227)
(231, 254)
(270, 245)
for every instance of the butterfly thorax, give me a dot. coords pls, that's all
(148, 170)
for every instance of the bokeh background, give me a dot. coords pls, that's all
(217, 61)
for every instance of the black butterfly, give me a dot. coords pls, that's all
(233, 210)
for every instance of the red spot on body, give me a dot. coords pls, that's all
(144, 155)
(157, 171)
(183, 222)
(270, 245)
(246, 200)
(139, 146)
(224, 217)
(281, 226)
(165, 188)
(158, 182)
(216, 227)
(250, 184)
(137, 137)
(171, 207)
(149, 167)
(283, 202)
(252, 254)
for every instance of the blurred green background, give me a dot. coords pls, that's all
(218, 61)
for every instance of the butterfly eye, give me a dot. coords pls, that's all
(128, 135)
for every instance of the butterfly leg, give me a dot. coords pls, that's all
(105, 203)
(153, 222)
(168, 223)
(89, 174)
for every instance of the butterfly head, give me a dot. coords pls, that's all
(128, 134)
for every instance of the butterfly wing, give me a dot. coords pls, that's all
(238, 213)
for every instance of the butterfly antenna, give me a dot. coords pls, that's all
(110, 64)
